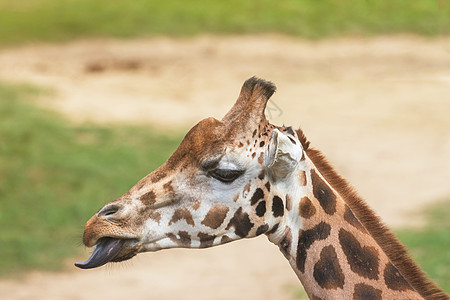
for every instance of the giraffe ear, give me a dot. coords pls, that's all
(248, 111)
(283, 155)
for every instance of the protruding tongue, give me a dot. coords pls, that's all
(104, 252)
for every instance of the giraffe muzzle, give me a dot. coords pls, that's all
(105, 251)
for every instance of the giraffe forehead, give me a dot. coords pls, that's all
(210, 138)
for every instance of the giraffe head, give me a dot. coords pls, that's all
(220, 185)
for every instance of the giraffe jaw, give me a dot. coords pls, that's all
(107, 250)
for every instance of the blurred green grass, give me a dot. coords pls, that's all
(54, 176)
(430, 246)
(25, 21)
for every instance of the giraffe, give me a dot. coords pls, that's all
(242, 177)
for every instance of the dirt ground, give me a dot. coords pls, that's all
(377, 107)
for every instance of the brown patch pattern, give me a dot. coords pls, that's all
(182, 214)
(302, 178)
(157, 176)
(206, 240)
(363, 261)
(305, 208)
(155, 216)
(196, 205)
(288, 202)
(277, 207)
(366, 292)
(183, 239)
(225, 239)
(352, 220)
(306, 238)
(215, 216)
(267, 185)
(390, 245)
(168, 188)
(261, 229)
(241, 223)
(327, 271)
(394, 280)
(323, 193)
(261, 208)
(148, 198)
(257, 195)
(261, 158)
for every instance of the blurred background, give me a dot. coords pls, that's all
(94, 95)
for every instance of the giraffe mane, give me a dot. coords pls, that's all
(394, 249)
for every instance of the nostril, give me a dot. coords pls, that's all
(108, 210)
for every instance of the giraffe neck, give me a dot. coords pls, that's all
(331, 252)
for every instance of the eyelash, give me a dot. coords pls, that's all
(226, 175)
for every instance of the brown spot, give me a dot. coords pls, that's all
(257, 195)
(327, 271)
(206, 240)
(196, 205)
(267, 186)
(352, 220)
(274, 228)
(363, 261)
(254, 133)
(277, 207)
(157, 176)
(305, 208)
(288, 202)
(253, 154)
(394, 280)
(261, 229)
(155, 216)
(261, 158)
(168, 188)
(225, 239)
(302, 178)
(183, 238)
(236, 198)
(261, 144)
(240, 145)
(148, 198)
(285, 243)
(366, 292)
(306, 238)
(241, 223)
(215, 216)
(261, 208)
(246, 189)
(323, 193)
(182, 213)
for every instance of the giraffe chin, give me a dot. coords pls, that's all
(105, 251)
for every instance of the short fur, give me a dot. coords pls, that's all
(393, 248)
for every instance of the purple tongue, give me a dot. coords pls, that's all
(104, 252)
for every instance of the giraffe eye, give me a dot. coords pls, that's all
(226, 175)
